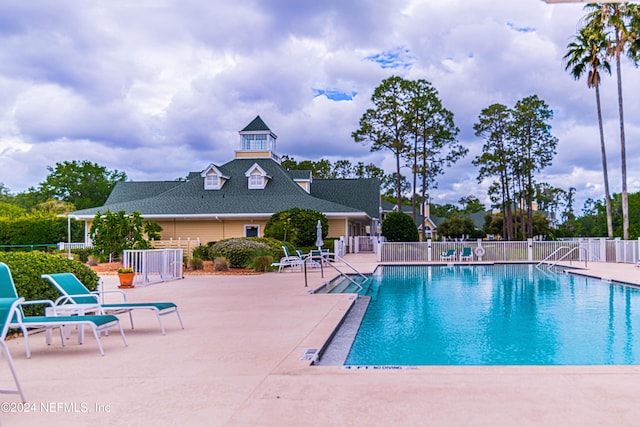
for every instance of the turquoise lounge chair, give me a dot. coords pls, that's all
(449, 255)
(75, 292)
(8, 307)
(466, 255)
(27, 323)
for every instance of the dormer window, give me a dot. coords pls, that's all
(256, 181)
(212, 182)
(257, 177)
(213, 178)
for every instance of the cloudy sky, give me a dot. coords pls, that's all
(158, 88)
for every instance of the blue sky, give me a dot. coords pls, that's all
(158, 88)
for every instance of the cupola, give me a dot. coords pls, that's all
(257, 141)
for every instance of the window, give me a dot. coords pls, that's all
(254, 142)
(256, 181)
(211, 182)
(251, 231)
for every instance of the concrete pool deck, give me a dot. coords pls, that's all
(241, 361)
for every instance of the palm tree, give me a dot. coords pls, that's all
(588, 53)
(616, 22)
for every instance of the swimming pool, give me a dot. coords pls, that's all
(495, 315)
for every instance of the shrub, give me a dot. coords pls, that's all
(38, 229)
(239, 251)
(201, 252)
(82, 254)
(399, 227)
(27, 267)
(297, 226)
(275, 245)
(261, 263)
(220, 264)
(196, 263)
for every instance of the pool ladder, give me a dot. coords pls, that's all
(346, 276)
(552, 254)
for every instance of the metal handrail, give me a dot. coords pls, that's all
(322, 259)
(568, 253)
(552, 254)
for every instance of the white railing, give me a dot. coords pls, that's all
(64, 246)
(185, 244)
(154, 265)
(596, 249)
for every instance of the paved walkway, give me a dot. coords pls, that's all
(240, 362)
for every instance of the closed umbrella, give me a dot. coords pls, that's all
(319, 242)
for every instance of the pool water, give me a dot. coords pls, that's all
(496, 315)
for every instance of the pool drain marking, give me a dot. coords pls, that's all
(310, 354)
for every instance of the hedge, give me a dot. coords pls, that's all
(33, 230)
(27, 267)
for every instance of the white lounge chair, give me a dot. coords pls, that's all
(292, 261)
(449, 255)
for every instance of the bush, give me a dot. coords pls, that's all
(196, 263)
(201, 252)
(38, 229)
(220, 264)
(82, 254)
(297, 226)
(27, 267)
(399, 227)
(239, 251)
(275, 245)
(261, 263)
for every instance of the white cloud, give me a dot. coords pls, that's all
(132, 84)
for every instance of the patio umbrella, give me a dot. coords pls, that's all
(319, 241)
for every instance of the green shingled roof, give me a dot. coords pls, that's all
(357, 193)
(281, 193)
(129, 191)
(256, 125)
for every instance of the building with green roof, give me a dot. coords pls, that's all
(235, 199)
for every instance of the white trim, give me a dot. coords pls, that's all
(261, 172)
(246, 226)
(210, 171)
(362, 215)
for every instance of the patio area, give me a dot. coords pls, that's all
(241, 361)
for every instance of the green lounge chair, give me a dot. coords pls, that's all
(74, 292)
(26, 323)
(466, 255)
(8, 307)
(449, 255)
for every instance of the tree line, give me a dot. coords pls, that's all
(608, 32)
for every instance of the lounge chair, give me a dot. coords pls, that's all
(307, 259)
(321, 255)
(97, 324)
(74, 292)
(466, 255)
(449, 255)
(293, 261)
(8, 307)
